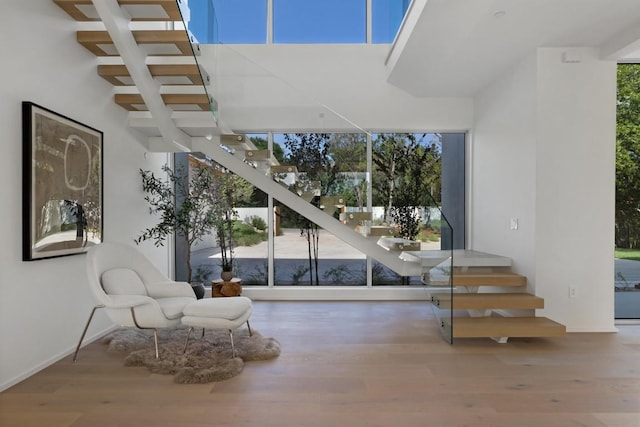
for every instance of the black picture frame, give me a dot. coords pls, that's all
(62, 183)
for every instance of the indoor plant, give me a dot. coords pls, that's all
(185, 205)
(224, 224)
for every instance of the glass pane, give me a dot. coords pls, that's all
(229, 21)
(328, 21)
(305, 255)
(331, 175)
(627, 203)
(251, 234)
(386, 17)
(407, 170)
(627, 283)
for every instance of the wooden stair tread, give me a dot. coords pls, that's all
(176, 101)
(167, 74)
(257, 155)
(468, 301)
(399, 244)
(167, 42)
(284, 169)
(381, 230)
(356, 216)
(233, 139)
(488, 279)
(477, 327)
(335, 201)
(139, 10)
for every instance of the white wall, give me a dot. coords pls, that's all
(503, 168)
(44, 304)
(338, 87)
(575, 181)
(544, 152)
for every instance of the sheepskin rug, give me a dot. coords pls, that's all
(207, 359)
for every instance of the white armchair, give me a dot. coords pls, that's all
(132, 291)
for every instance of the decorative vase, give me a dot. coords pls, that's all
(226, 275)
(198, 289)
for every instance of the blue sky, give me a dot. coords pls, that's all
(295, 21)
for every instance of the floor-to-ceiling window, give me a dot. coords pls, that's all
(627, 252)
(381, 185)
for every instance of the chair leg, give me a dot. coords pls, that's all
(249, 327)
(233, 347)
(186, 342)
(155, 341)
(155, 331)
(84, 332)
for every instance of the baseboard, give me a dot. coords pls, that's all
(591, 330)
(337, 293)
(55, 358)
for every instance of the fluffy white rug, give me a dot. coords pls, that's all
(207, 359)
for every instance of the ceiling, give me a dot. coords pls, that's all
(457, 47)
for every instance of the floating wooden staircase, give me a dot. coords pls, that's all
(480, 306)
(152, 65)
(144, 49)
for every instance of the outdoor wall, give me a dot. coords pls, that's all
(44, 304)
(334, 87)
(544, 153)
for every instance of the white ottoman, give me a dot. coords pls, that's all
(217, 313)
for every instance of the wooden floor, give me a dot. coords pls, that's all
(354, 364)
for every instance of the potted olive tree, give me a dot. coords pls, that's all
(185, 204)
(225, 194)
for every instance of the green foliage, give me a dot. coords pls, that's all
(184, 203)
(429, 234)
(633, 254)
(407, 174)
(258, 223)
(246, 235)
(263, 144)
(628, 157)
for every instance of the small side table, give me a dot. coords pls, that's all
(231, 288)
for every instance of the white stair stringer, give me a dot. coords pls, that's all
(284, 195)
(116, 23)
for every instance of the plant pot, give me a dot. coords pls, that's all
(226, 275)
(198, 289)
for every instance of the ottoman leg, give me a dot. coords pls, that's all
(186, 342)
(249, 327)
(233, 347)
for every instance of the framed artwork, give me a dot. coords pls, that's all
(61, 184)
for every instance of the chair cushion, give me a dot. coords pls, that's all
(122, 281)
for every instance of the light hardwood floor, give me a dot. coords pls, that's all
(354, 364)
